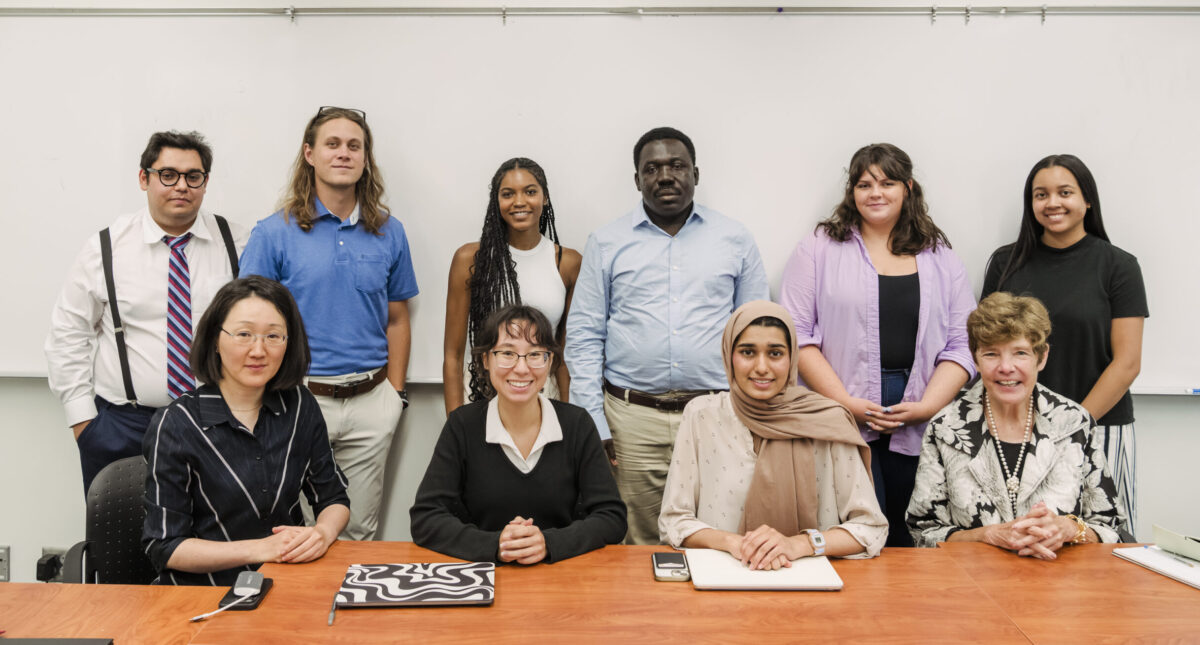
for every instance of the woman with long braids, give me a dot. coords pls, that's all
(517, 260)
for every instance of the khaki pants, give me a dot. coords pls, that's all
(360, 432)
(643, 439)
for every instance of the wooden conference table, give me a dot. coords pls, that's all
(957, 593)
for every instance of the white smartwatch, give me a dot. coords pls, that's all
(817, 540)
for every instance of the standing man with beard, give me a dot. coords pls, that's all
(644, 332)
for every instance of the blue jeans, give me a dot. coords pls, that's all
(895, 474)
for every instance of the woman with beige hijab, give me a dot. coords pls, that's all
(770, 471)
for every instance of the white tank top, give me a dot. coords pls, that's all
(541, 285)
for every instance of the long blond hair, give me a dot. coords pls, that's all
(301, 196)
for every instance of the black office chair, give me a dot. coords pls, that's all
(112, 551)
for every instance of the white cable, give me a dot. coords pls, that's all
(196, 619)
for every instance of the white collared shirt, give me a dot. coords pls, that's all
(81, 348)
(550, 432)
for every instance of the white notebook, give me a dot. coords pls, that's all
(1155, 559)
(712, 569)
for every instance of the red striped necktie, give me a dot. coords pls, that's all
(179, 318)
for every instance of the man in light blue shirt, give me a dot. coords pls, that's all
(644, 331)
(347, 263)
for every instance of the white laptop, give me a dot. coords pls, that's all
(713, 569)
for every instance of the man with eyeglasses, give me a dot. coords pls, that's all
(121, 330)
(347, 263)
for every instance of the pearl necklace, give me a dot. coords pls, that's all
(1010, 477)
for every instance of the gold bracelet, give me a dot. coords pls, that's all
(1080, 530)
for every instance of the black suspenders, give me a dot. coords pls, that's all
(111, 286)
(118, 330)
(229, 247)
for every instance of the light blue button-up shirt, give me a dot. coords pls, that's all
(649, 308)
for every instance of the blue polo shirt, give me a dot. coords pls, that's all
(342, 277)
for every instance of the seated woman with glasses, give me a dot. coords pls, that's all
(517, 477)
(226, 462)
(769, 471)
(1009, 462)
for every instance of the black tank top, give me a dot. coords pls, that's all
(899, 308)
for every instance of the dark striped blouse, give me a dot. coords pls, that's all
(209, 477)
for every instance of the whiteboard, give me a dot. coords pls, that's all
(775, 104)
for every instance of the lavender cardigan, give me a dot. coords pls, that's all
(831, 289)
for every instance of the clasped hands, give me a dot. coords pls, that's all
(890, 418)
(1039, 533)
(765, 548)
(295, 544)
(522, 542)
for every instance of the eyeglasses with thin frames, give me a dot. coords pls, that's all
(247, 338)
(170, 176)
(535, 360)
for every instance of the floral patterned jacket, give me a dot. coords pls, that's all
(960, 484)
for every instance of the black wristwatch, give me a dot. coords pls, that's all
(403, 398)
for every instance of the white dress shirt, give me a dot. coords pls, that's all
(81, 349)
(550, 432)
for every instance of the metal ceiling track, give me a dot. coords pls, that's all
(933, 12)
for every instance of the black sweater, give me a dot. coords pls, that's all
(471, 490)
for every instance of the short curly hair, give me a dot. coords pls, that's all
(520, 321)
(1003, 317)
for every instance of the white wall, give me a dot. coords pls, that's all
(41, 496)
(776, 105)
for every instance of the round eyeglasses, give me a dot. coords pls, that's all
(535, 360)
(246, 338)
(170, 176)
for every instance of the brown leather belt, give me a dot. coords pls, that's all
(348, 390)
(666, 403)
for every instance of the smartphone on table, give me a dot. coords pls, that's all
(249, 583)
(670, 566)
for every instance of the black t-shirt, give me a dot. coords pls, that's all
(899, 314)
(1084, 287)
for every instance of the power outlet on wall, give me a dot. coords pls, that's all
(52, 551)
(4, 560)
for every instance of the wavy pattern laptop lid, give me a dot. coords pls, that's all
(417, 584)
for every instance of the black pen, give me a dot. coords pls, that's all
(333, 609)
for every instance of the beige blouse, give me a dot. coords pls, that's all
(713, 464)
